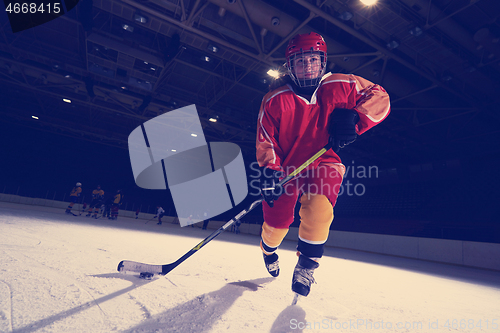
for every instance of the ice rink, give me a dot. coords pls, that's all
(58, 274)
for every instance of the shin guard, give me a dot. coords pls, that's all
(271, 238)
(316, 216)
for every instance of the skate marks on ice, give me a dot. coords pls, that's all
(136, 283)
(201, 313)
(5, 308)
(308, 310)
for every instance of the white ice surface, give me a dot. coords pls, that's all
(58, 274)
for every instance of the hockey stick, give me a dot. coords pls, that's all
(133, 266)
(150, 219)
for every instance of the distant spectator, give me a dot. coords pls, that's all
(97, 198)
(73, 197)
(159, 213)
(117, 201)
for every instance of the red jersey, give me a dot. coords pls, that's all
(291, 129)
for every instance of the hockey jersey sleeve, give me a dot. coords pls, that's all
(372, 104)
(269, 152)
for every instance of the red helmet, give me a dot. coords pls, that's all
(305, 42)
(299, 49)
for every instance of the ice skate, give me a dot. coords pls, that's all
(272, 264)
(303, 275)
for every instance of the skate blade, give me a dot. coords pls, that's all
(296, 297)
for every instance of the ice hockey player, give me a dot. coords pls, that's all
(73, 197)
(97, 197)
(159, 213)
(117, 201)
(295, 121)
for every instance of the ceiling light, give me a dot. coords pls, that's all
(194, 135)
(66, 100)
(345, 15)
(213, 120)
(67, 76)
(274, 73)
(153, 69)
(34, 117)
(124, 88)
(141, 19)
(368, 2)
(174, 150)
(416, 31)
(207, 58)
(128, 27)
(212, 48)
(392, 44)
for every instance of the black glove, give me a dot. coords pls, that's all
(269, 187)
(342, 128)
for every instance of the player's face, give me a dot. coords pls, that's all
(307, 66)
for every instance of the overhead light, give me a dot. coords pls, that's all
(34, 117)
(128, 27)
(264, 81)
(140, 18)
(416, 31)
(145, 62)
(392, 44)
(124, 88)
(194, 135)
(345, 15)
(67, 76)
(274, 73)
(174, 150)
(153, 69)
(368, 2)
(207, 58)
(213, 120)
(212, 48)
(447, 77)
(66, 100)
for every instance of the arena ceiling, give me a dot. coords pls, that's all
(122, 62)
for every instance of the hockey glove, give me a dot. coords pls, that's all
(269, 187)
(342, 128)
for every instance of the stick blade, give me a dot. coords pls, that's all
(134, 266)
